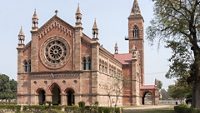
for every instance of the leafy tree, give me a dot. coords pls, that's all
(177, 23)
(8, 87)
(179, 91)
(158, 83)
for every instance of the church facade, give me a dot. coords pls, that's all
(64, 66)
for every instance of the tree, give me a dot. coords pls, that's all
(177, 22)
(178, 91)
(158, 83)
(8, 88)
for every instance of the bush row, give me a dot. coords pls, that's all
(58, 109)
(185, 109)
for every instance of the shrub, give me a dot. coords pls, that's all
(195, 110)
(81, 104)
(71, 108)
(35, 107)
(96, 103)
(182, 109)
(108, 110)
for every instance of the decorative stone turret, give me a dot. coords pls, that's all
(95, 30)
(21, 38)
(77, 39)
(116, 48)
(78, 18)
(35, 21)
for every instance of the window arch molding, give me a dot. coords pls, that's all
(25, 64)
(136, 31)
(86, 62)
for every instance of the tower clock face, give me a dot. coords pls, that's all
(54, 52)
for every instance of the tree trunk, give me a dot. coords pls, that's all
(196, 95)
(196, 82)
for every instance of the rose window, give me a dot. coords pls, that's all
(55, 51)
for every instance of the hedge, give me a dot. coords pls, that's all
(185, 109)
(57, 109)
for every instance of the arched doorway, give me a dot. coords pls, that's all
(147, 98)
(41, 96)
(70, 97)
(56, 98)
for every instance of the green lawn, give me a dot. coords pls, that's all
(150, 111)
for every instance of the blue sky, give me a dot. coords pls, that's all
(112, 21)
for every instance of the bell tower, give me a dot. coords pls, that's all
(136, 35)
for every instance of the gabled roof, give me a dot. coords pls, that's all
(55, 17)
(123, 58)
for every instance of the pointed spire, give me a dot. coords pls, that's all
(78, 17)
(21, 37)
(95, 25)
(95, 30)
(35, 21)
(135, 9)
(35, 15)
(21, 33)
(78, 10)
(116, 48)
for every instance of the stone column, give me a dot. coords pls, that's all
(49, 98)
(63, 99)
(135, 78)
(36, 98)
(94, 76)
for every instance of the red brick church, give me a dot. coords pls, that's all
(64, 66)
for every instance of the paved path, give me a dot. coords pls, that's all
(145, 108)
(150, 107)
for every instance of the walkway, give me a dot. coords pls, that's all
(150, 107)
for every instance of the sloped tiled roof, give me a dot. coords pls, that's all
(123, 58)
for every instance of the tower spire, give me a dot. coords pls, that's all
(95, 30)
(21, 37)
(78, 16)
(35, 21)
(135, 9)
(116, 48)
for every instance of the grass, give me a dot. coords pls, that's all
(151, 111)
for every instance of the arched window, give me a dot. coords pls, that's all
(135, 32)
(41, 96)
(29, 66)
(70, 96)
(100, 65)
(25, 66)
(56, 94)
(86, 63)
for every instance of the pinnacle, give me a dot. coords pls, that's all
(78, 10)
(35, 14)
(21, 33)
(135, 9)
(95, 25)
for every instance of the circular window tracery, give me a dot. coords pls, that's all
(54, 52)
